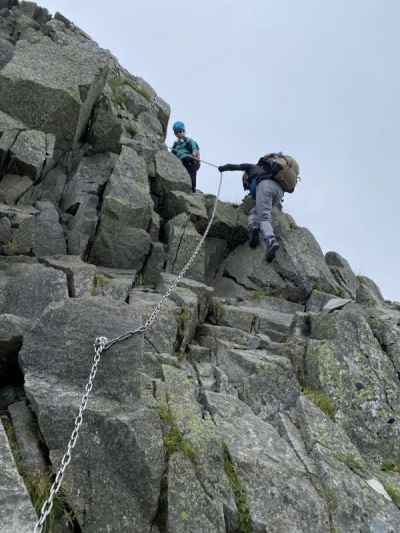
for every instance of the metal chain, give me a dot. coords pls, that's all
(101, 345)
(48, 504)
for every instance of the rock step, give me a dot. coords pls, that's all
(252, 319)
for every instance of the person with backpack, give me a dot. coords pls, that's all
(187, 150)
(267, 181)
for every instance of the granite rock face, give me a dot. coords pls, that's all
(262, 397)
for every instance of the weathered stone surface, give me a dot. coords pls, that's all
(230, 222)
(335, 303)
(275, 484)
(51, 188)
(80, 275)
(368, 293)
(53, 88)
(345, 476)
(81, 228)
(343, 274)
(264, 381)
(5, 230)
(216, 251)
(119, 246)
(171, 175)
(345, 361)
(252, 319)
(28, 288)
(114, 283)
(92, 174)
(178, 202)
(182, 239)
(12, 187)
(189, 507)
(106, 128)
(121, 240)
(161, 338)
(6, 52)
(48, 237)
(30, 453)
(154, 265)
(28, 153)
(16, 511)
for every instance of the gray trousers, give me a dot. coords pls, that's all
(269, 193)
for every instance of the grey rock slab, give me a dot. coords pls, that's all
(182, 239)
(50, 188)
(119, 246)
(202, 291)
(30, 450)
(368, 293)
(171, 175)
(44, 85)
(344, 475)
(230, 223)
(277, 489)
(190, 508)
(252, 319)
(162, 336)
(264, 381)
(5, 230)
(81, 228)
(300, 259)
(113, 482)
(29, 288)
(12, 187)
(343, 273)
(92, 174)
(80, 275)
(177, 202)
(216, 251)
(29, 152)
(317, 301)
(48, 234)
(60, 347)
(106, 128)
(16, 511)
(6, 52)
(345, 361)
(154, 265)
(335, 303)
(248, 268)
(131, 166)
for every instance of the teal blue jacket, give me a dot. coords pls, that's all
(184, 147)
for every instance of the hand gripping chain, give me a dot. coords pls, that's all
(102, 344)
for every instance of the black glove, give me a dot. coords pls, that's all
(223, 168)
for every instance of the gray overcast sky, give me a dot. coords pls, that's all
(318, 80)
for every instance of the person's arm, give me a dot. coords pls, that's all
(195, 149)
(244, 166)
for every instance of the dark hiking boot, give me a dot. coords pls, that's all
(254, 238)
(272, 248)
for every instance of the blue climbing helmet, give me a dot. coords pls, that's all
(178, 126)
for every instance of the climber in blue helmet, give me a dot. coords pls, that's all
(187, 150)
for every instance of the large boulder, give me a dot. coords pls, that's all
(121, 438)
(170, 175)
(53, 88)
(345, 365)
(28, 287)
(343, 274)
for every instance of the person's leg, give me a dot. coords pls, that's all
(252, 221)
(269, 193)
(190, 164)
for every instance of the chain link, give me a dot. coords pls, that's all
(102, 344)
(99, 345)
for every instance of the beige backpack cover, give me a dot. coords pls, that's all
(288, 176)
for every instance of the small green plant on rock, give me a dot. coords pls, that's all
(394, 492)
(321, 400)
(239, 494)
(391, 467)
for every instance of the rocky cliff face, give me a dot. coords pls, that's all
(265, 398)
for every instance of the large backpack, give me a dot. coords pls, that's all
(286, 172)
